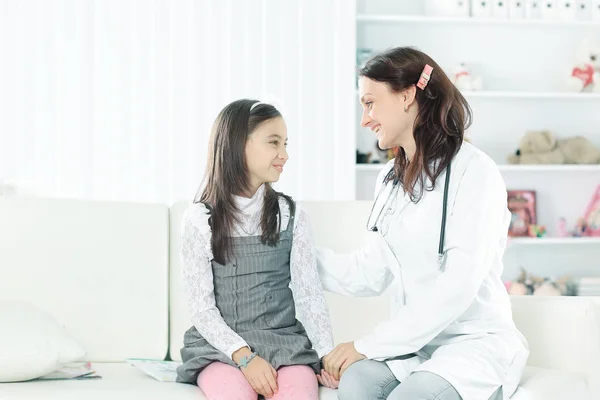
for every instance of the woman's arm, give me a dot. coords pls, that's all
(477, 225)
(196, 256)
(361, 273)
(311, 306)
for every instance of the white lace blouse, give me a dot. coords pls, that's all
(196, 254)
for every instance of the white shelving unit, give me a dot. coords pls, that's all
(498, 94)
(470, 21)
(532, 95)
(524, 65)
(557, 241)
(376, 167)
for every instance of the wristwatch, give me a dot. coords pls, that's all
(244, 361)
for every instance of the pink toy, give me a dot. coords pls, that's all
(585, 75)
(580, 229)
(562, 228)
(592, 215)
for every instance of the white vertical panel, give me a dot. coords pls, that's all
(44, 112)
(163, 97)
(115, 99)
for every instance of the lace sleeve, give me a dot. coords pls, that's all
(311, 307)
(196, 256)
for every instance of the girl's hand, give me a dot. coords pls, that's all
(262, 377)
(327, 380)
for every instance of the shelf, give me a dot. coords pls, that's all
(369, 167)
(550, 168)
(554, 241)
(511, 168)
(498, 94)
(419, 19)
(531, 95)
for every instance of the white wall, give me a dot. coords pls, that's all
(114, 99)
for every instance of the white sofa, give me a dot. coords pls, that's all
(109, 272)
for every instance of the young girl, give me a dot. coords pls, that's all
(261, 323)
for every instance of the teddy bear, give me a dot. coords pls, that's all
(541, 147)
(464, 80)
(585, 76)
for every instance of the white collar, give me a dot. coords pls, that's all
(252, 205)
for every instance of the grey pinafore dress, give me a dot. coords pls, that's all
(253, 295)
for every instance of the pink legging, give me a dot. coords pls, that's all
(220, 381)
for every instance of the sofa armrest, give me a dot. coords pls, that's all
(563, 333)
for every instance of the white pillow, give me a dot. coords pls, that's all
(32, 343)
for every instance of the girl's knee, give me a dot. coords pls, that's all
(297, 382)
(220, 381)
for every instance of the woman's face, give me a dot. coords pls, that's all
(384, 112)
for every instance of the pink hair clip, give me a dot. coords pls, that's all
(425, 76)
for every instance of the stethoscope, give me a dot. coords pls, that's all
(373, 226)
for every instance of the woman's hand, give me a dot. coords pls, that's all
(340, 358)
(327, 380)
(259, 373)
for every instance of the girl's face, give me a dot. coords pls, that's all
(266, 152)
(384, 112)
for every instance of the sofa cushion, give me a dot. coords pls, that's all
(121, 381)
(551, 384)
(562, 333)
(100, 268)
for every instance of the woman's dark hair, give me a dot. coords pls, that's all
(227, 175)
(439, 127)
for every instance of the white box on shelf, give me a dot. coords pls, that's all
(447, 8)
(516, 9)
(550, 10)
(500, 9)
(596, 10)
(533, 9)
(481, 8)
(583, 10)
(566, 10)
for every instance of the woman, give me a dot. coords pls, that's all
(439, 223)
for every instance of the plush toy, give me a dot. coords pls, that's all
(549, 287)
(517, 289)
(585, 76)
(541, 147)
(520, 287)
(464, 80)
(527, 284)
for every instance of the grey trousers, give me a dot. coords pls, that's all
(373, 380)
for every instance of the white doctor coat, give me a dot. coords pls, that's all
(455, 319)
